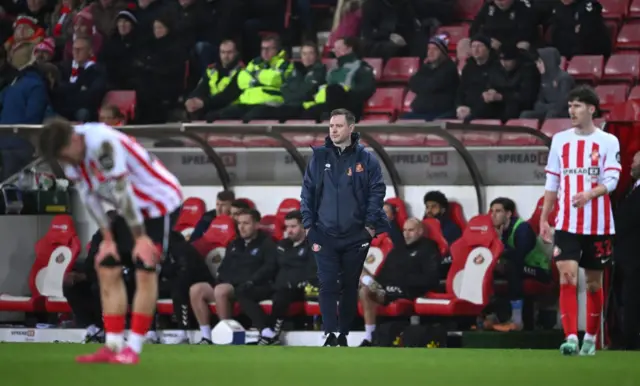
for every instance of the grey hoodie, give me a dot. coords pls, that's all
(555, 83)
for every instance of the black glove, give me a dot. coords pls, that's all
(244, 286)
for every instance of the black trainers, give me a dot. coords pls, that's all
(330, 340)
(342, 341)
(205, 341)
(366, 343)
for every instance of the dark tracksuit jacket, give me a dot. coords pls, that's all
(253, 262)
(450, 230)
(413, 267)
(202, 225)
(295, 265)
(303, 83)
(343, 191)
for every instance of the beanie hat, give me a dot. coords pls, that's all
(509, 52)
(26, 20)
(482, 39)
(442, 42)
(47, 45)
(127, 15)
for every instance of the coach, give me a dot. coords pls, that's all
(342, 199)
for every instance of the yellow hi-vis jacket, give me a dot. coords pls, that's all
(260, 81)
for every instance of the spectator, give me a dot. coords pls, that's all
(524, 257)
(62, 20)
(507, 22)
(521, 81)
(296, 270)
(25, 31)
(436, 206)
(104, 13)
(119, 52)
(408, 272)
(160, 67)
(308, 75)
(83, 27)
(258, 84)
(39, 10)
(45, 51)
(476, 97)
(84, 84)
(7, 71)
(214, 81)
(148, 13)
(577, 28)
(346, 22)
(434, 84)
(112, 116)
(224, 200)
(553, 94)
(245, 274)
(388, 28)
(196, 28)
(351, 83)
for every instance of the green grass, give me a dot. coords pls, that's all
(53, 365)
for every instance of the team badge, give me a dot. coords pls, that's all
(370, 259)
(595, 156)
(478, 259)
(556, 251)
(315, 248)
(359, 168)
(106, 156)
(60, 259)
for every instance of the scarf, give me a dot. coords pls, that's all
(64, 12)
(75, 69)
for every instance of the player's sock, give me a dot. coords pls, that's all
(594, 311)
(268, 333)
(114, 328)
(205, 331)
(140, 324)
(569, 309)
(516, 311)
(368, 331)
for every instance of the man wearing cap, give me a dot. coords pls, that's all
(511, 22)
(477, 96)
(434, 84)
(522, 81)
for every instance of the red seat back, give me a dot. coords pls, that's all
(534, 221)
(586, 67)
(192, 210)
(401, 210)
(376, 65)
(434, 232)
(377, 241)
(220, 233)
(474, 256)
(377, 255)
(287, 205)
(400, 69)
(456, 214)
(273, 225)
(125, 100)
(385, 101)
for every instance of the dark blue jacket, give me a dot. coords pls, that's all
(450, 230)
(25, 101)
(343, 192)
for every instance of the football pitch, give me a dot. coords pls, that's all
(175, 365)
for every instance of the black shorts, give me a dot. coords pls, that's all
(590, 251)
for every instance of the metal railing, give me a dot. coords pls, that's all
(198, 132)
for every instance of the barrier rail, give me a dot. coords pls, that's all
(198, 132)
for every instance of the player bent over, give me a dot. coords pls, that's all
(110, 167)
(582, 169)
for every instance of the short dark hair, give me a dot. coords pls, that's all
(437, 196)
(275, 38)
(242, 204)
(309, 43)
(56, 134)
(294, 215)
(506, 203)
(115, 111)
(226, 195)
(351, 42)
(255, 215)
(348, 115)
(585, 94)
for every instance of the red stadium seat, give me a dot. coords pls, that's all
(586, 68)
(622, 67)
(470, 279)
(304, 140)
(612, 94)
(534, 221)
(467, 9)
(226, 140)
(251, 204)
(125, 100)
(213, 242)
(402, 214)
(457, 214)
(635, 93)
(482, 138)
(433, 231)
(376, 65)
(260, 140)
(408, 99)
(634, 9)
(612, 27)
(385, 101)
(379, 239)
(55, 253)
(455, 33)
(192, 210)
(329, 63)
(629, 36)
(564, 63)
(272, 225)
(614, 9)
(552, 126)
(519, 139)
(400, 69)
(287, 205)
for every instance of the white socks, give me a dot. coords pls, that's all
(368, 331)
(115, 342)
(590, 337)
(205, 331)
(135, 342)
(268, 333)
(572, 337)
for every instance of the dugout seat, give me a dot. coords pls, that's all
(586, 68)
(470, 280)
(534, 221)
(287, 205)
(212, 245)
(624, 67)
(55, 254)
(379, 239)
(192, 210)
(401, 210)
(400, 69)
(376, 65)
(272, 225)
(456, 213)
(385, 101)
(433, 231)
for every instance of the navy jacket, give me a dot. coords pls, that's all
(343, 191)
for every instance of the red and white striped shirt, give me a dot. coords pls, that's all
(156, 191)
(579, 163)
